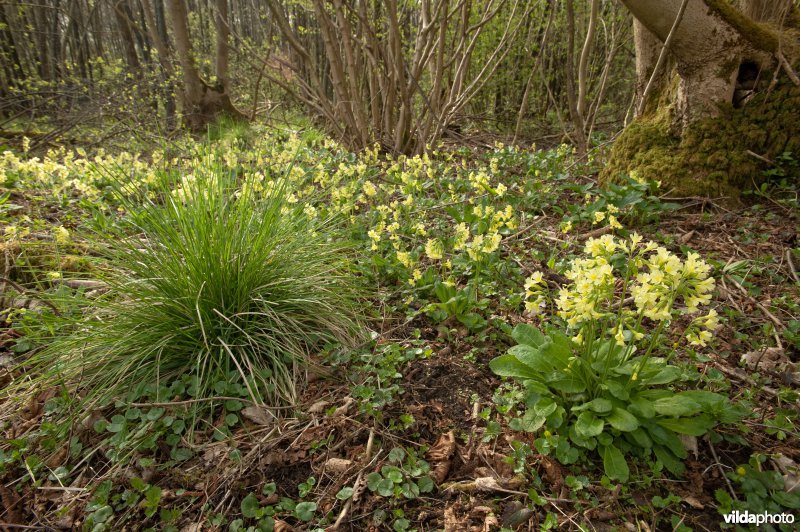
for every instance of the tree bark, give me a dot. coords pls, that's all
(202, 103)
(696, 134)
(708, 45)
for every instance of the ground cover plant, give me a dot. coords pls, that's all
(161, 309)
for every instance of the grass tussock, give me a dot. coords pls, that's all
(214, 278)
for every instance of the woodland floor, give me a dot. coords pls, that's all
(443, 401)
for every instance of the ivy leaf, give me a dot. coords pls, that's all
(425, 484)
(345, 493)
(373, 479)
(386, 488)
(397, 455)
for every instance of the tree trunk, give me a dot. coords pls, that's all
(696, 132)
(202, 103)
(710, 41)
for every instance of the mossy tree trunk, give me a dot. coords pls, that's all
(722, 60)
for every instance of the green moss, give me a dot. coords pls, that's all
(711, 157)
(756, 34)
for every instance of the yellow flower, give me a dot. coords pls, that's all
(566, 227)
(369, 189)
(434, 249)
(61, 235)
(461, 237)
(599, 216)
(741, 471)
(404, 258)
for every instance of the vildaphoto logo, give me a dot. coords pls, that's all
(746, 518)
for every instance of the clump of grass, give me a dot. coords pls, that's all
(211, 279)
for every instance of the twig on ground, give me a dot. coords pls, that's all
(792, 268)
(778, 323)
(349, 503)
(721, 470)
(23, 290)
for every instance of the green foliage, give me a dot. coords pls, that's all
(763, 491)
(634, 202)
(593, 388)
(211, 280)
(406, 476)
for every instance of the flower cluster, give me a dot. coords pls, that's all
(660, 284)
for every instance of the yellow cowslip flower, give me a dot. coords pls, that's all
(613, 222)
(369, 189)
(599, 216)
(612, 209)
(61, 235)
(604, 246)
(434, 249)
(699, 338)
(566, 227)
(500, 190)
(619, 337)
(533, 307)
(474, 248)
(419, 228)
(375, 237)
(711, 320)
(535, 279)
(310, 211)
(416, 276)
(53, 276)
(491, 244)
(461, 236)
(404, 258)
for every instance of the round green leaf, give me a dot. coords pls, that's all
(305, 510)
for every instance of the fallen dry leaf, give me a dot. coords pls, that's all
(258, 415)
(318, 407)
(440, 455)
(337, 465)
(451, 523)
(790, 470)
(694, 502)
